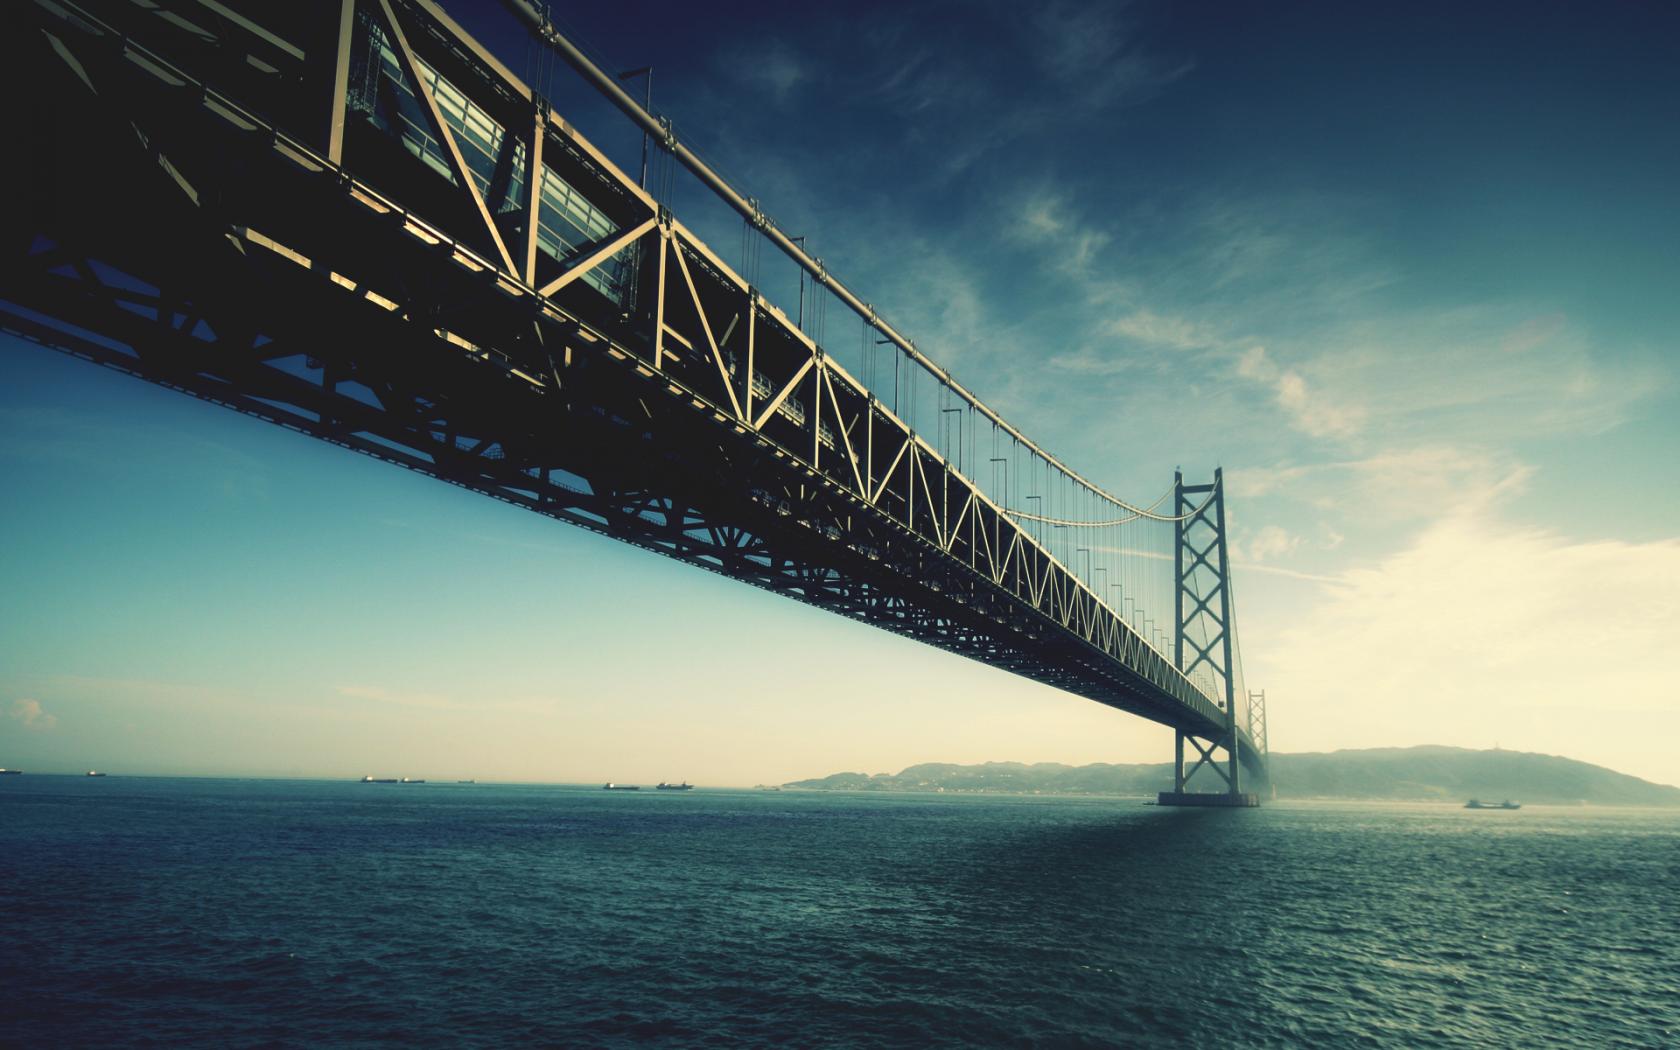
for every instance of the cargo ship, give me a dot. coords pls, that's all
(610, 786)
(94, 773)
(11, 772)
(1477, 803)
(663, 786)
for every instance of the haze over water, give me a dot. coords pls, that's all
(155, 912)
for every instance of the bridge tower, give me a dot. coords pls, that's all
(1257, 721)
(1203, 642)
(1257, 733)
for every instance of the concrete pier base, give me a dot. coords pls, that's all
(1227, 799)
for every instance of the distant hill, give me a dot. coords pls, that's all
(1447, 774)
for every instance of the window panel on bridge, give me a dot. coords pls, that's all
(568, 222)
(792, 409)
(390, 101)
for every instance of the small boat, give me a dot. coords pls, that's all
(663, 786)
(610, 786)
(94, 773)
(1477, 803)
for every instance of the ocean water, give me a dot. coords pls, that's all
(155, 912)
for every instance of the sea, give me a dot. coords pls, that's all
(257, 913)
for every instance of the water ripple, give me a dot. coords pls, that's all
(226, 913)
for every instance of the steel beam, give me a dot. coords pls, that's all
(463, 174)
(341, 81)
(533, 188)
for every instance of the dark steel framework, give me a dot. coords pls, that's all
(1257, 722)
(213, 205)
(1204, 638)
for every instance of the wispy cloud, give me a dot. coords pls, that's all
(1279, 570)
(943, 300)
(1042, 218)
(1084, 59)
(1147, 326)
(1400, 485)
(1309, 411)
(29, 713)
(1090, 361)
(1092, 45)
(773, 68)
(1533, 333)
(1067, 243)
(1270, 543)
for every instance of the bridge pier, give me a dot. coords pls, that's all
(1204, 641)
(1229, 770)
(1210, 799)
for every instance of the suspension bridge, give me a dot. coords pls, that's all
(351, 219)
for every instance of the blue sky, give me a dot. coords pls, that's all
(1407, 272)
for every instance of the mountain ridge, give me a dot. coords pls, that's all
(1427, 772)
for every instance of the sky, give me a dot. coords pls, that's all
(1406, 271)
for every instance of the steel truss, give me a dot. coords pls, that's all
(214, 215)
(1257, 722)
(1202, 639)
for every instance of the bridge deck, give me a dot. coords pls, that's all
(211, 235)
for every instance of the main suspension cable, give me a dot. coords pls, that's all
(1146, 513)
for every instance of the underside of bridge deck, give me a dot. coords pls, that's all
(315, 274)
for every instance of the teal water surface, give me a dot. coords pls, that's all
(278, 913)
